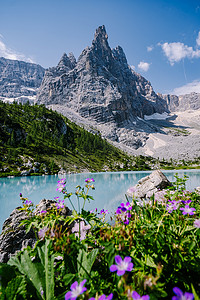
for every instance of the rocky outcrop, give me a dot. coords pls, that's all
(14, 237)
(184, 102)
(19, 79)
(101, 87)
(149, 185)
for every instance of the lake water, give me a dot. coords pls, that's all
(110, 188)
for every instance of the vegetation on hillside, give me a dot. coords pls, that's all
(36, 140)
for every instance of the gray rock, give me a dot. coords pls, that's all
(25, 172)
(197, 190)
(14, 237)
(149, 185)
(102, 87)
(184, 102)
(19, 78)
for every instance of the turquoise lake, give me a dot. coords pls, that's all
(110, 188)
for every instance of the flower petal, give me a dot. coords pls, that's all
(83, 282)
(120, 272)
(127, 259)
(118, 259)
(177, 291)
(113, 268)
(74, 285)
(130, 267)
(189, 296)
(135, 295)
(68, 295)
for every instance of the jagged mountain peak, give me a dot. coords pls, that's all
(100, 43)
(103, 89)
(72, 59)
(67, 63)
(100, 34)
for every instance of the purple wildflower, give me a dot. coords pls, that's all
(88, 180)
(103, 297)
(123, 207)
(130, 192)
(173, 205)
(123, 212)
(122, 265)
(61, 185)
(43, 211)
(28, 202)
(186, 201)
(52, 234)
(197, 223)
(181, 296)
(126, 218)
(93, 210)
(159, 197)
(76, 290)
(136, 296)
(188, 210)
(41, 232)
(20, 194)
(62, 181)
(83, 229)
(104, 212)
(60, 188)
(60, 204)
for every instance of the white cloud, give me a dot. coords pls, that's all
(187, 89)
(12, 54)
(150, 48)
(143, 66)
(198, 39)
(177, 51)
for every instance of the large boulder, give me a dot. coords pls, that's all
(14, 237)
(149, 185)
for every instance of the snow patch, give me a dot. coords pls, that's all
(157, 116)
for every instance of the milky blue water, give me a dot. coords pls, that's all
(110, 188)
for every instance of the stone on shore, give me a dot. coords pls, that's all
(149, 185)
(14, 237)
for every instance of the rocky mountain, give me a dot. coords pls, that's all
(184, 102)
(102, 93)
(19, 80)
(102, 88)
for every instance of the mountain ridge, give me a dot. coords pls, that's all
(103, 94)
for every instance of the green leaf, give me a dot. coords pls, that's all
(17, 286)
(68, 278)
(150, 262)
(196, 297)
(33, 271)
(6, 274)
(85, 261)
(192, 245)
(48, 265)
(40, 274)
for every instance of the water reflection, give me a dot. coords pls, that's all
(110, 188)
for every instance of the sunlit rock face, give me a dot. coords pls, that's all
(100, 86)
(19, 78)
(184, 102)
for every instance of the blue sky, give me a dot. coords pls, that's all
(161, 39)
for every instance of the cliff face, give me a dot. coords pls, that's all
(184, 102)
(102, 87)
(19, 78)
